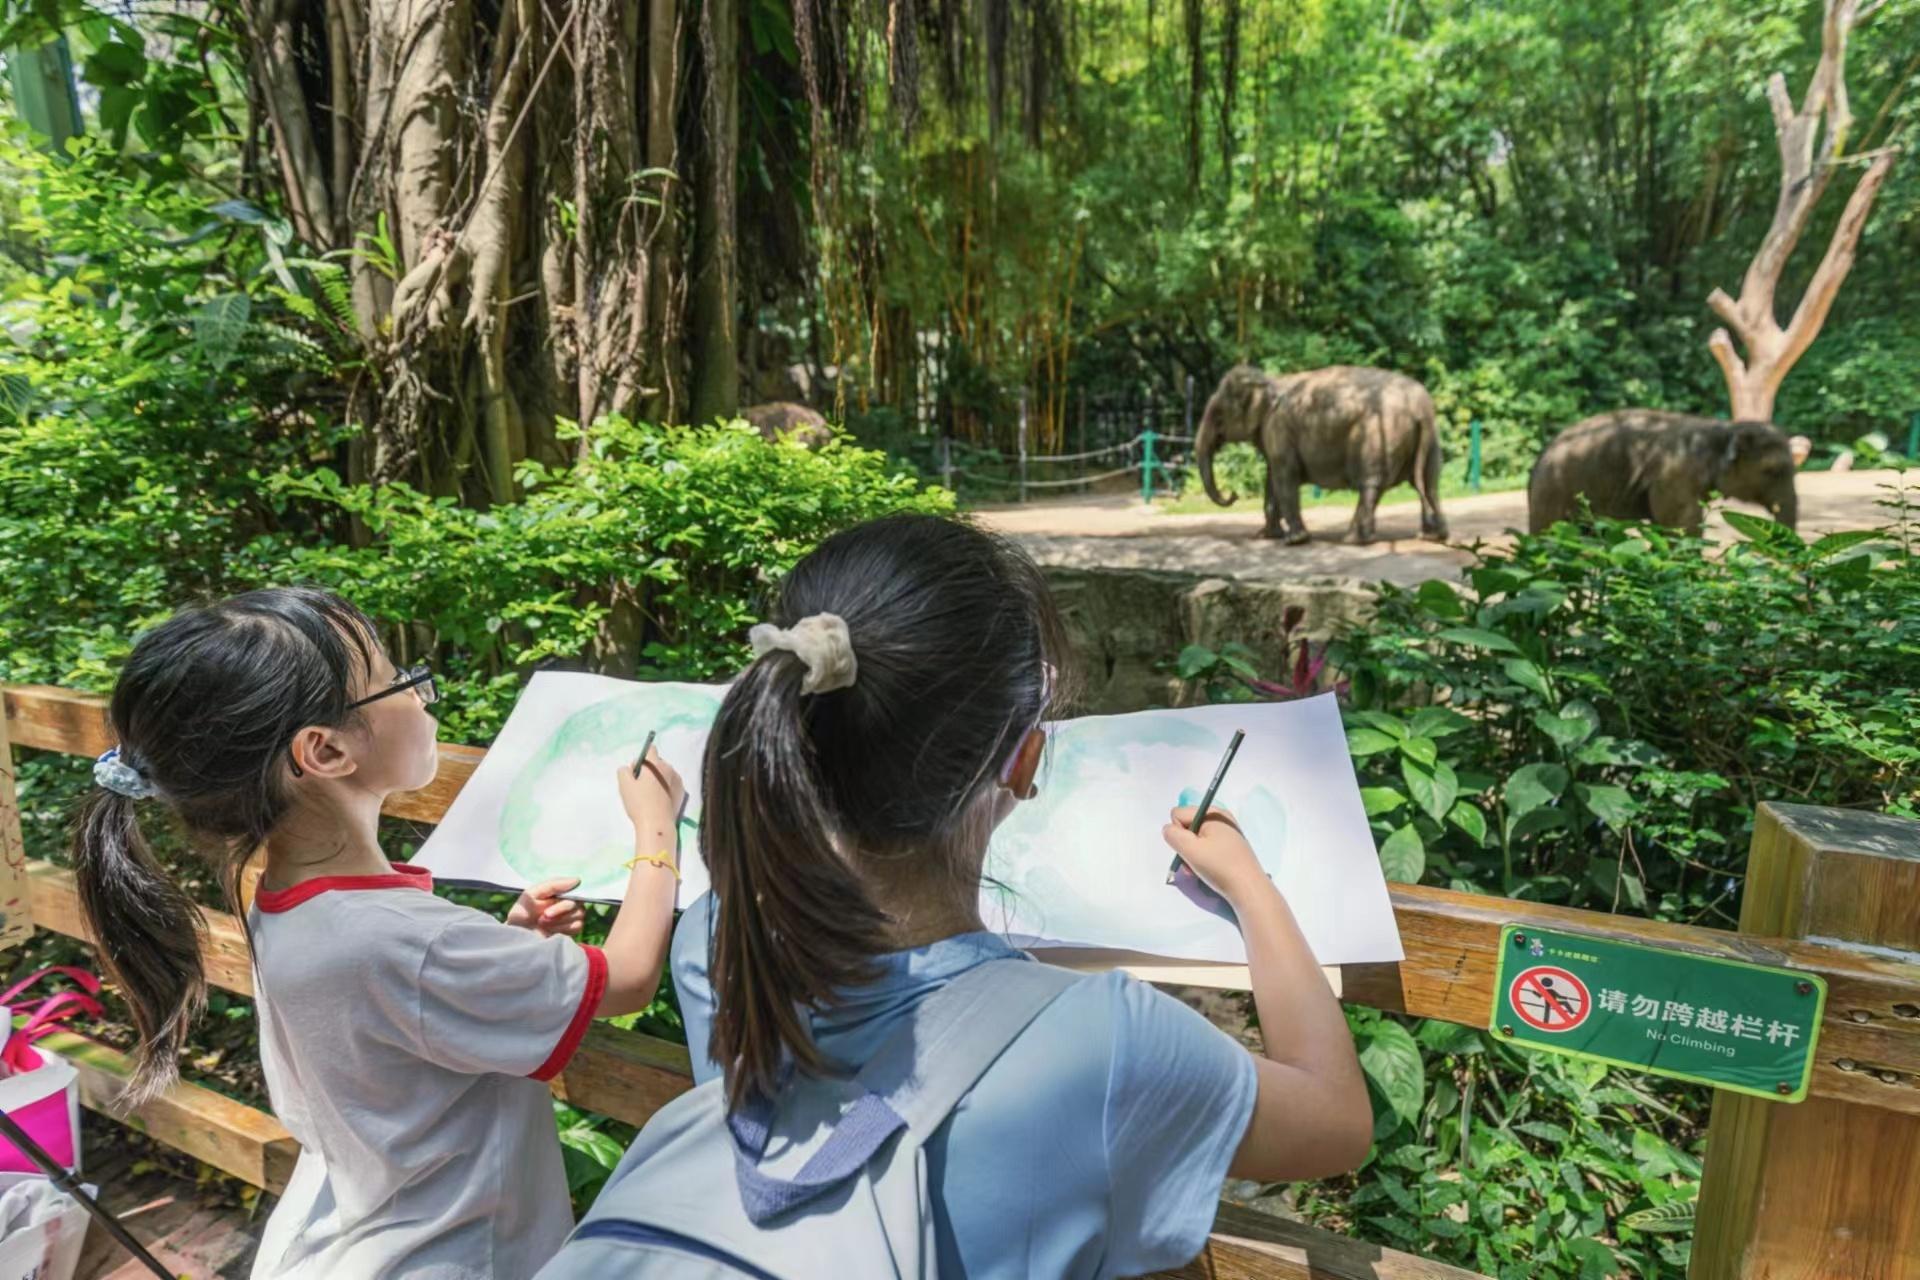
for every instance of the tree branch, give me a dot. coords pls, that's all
(1735, 369)
(1770, 350)
(1727, 309)
(1781, 102)
(1838, 260)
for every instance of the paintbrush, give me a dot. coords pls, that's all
(1206, 801)
(645, 747)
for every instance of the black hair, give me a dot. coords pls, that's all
(811, 798)
(205, 710)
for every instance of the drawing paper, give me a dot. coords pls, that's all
(1081, 865)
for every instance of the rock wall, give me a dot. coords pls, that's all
(1128, 625)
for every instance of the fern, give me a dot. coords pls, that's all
(292, 344)
(219, 324)
(334, 290)
(338, 294)
(300, 305)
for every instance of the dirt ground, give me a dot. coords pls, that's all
(1118, 531)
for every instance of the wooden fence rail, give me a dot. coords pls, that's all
(1868, 1054)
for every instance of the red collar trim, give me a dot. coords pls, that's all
(402, 877)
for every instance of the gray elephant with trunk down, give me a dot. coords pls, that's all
(1340, 428)
(1642, 464)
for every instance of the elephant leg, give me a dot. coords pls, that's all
(1677, 507)
(1360, 532)
(1286, 497)
(1297, 534)
(1275, 525)
(1283, 508)
(1433, 525)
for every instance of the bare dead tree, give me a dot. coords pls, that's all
(1753, 380)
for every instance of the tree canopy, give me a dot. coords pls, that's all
(531, 212)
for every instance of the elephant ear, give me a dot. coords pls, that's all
(1261, 402)
(1747, 441)
(1738, 443)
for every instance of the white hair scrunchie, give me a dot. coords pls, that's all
(122, 777)
(822, 644)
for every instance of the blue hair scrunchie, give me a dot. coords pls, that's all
(121, 778)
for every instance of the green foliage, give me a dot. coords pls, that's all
(1222, 673)
(1618, 702)
(141, 384)
(652, 554)
(590, 1146)
(1512, 1164)
(1525, 205)
(1590, 719)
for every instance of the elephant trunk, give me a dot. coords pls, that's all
(1203, 447)
(1787, 509)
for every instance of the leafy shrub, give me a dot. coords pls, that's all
(138, 385)
(1591, 718)
(1517, 1165)
(651, 555)
(150, 454)
(1609, 706)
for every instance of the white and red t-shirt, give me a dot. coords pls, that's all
(405, 1039)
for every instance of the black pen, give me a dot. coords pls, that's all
(645, 747)
(1206, 801)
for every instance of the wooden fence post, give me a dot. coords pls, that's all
(1826, 1187)
(16, 912)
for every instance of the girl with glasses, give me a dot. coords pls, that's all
(405, 1039)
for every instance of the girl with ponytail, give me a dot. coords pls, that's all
(405, 1039)
(891, 720)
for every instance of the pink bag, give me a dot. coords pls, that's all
(44, 1100)
(40, 1089)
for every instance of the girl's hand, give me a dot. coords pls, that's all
(654, 798)
(1217, 853)
(543, 910)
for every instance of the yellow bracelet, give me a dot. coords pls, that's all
(660, 859)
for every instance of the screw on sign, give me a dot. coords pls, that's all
(1550, 999)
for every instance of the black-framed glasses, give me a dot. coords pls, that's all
(419, 679)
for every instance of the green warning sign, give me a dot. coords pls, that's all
(1736, 1026)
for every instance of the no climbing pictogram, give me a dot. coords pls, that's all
(1550, 999)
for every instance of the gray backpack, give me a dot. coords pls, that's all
(845, 1193)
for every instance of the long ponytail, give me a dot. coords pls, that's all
(785, 883)
(813, 799)
(148, 931)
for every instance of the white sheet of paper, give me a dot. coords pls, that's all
(544, 802)
(1083, 865)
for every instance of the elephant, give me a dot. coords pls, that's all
(1342, 427)
(1643, 464)
(783, 419)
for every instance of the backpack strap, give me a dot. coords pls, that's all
(925, 1070)
(913, 1082)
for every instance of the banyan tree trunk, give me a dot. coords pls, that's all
(509, 180)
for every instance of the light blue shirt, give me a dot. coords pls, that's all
(1094, 1146)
